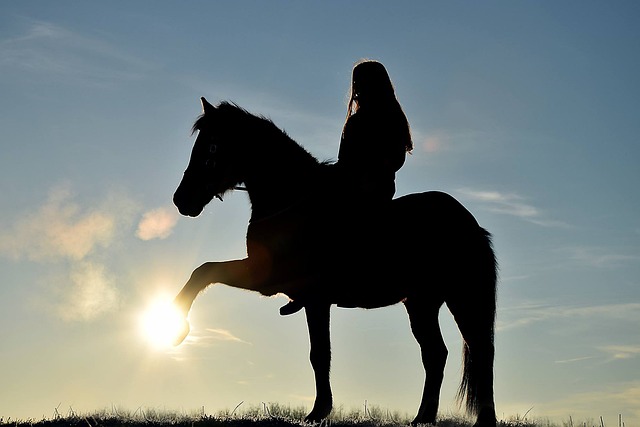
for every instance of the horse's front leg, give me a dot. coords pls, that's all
(320, 356)
(235, 273)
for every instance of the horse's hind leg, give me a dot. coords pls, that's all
(476, 324)
(320, 356)
(426, 330)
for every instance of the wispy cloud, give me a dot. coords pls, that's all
(440, 140)
(51, 49)
(435, 142)
(574, 360)
(210, 337)
(59, 228)
(509, 204)
(598, 257)
(223, 335)
(621, 398)
(622, 351)
(528, 314)
(92, 293)
(64, 231)
(157, 223)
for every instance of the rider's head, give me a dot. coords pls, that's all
(370, 85)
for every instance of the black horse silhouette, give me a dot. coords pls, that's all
(307, 241)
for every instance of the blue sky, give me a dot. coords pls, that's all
(527, 112)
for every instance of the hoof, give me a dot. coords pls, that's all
(422, 422)
(486, 418)
(318, 413)
(182, 333)
(426, 415)
(314, 418)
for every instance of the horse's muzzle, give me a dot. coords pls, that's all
(186, 206)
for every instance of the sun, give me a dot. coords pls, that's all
(162, 325)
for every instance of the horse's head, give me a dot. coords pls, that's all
(211, 170)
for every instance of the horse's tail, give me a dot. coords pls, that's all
(477, 356)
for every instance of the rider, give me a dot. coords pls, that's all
(375, 139)
(376, 134)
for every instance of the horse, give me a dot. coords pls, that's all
(306, 240)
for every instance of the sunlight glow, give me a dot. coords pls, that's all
(162, 325)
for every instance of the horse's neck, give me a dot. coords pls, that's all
(277, 180)
(275, 191)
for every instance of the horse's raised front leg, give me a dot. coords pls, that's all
(320, 356)
(235, 273)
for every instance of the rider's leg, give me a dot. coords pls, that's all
(293, 306)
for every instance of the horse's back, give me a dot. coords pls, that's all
(414, 247)
(433, 209)
(438, 227)
(372, 256)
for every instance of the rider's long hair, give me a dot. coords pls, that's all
(372, 89)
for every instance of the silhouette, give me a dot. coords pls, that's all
(303, 243)
(376, 134)
(374, 141)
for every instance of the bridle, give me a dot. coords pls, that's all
(210, 162)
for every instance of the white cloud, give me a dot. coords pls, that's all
(528, 314)
(92, 293)
(60, 228)
(598, 257)
(72, 234)
(440, 140)
(209, 337)
(223, 335)
(574, 360)
(509, 204)
(435, 142)
(622, 351)
(44, 47)
(157, 224)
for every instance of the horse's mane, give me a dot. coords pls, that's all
(263, 127)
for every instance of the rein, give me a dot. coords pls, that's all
(237, 187)
(209, 161)
(257, 220)
(275, 214)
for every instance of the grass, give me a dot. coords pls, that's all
(265, 415)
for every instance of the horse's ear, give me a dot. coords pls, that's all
(206, 107)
